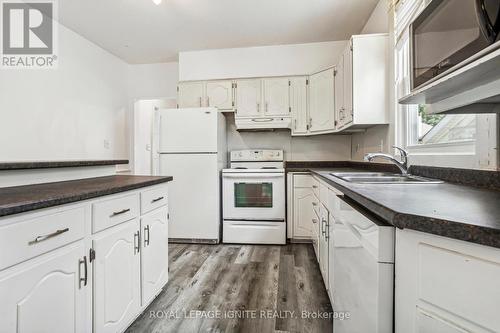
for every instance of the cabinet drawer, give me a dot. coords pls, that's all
(111, 212)
(302, 181)
(37, 235)
(315, 187)
(153, 199)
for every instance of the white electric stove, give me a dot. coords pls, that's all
(254, 198)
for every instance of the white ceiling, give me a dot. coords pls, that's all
(138, 31)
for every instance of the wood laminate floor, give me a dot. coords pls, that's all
(239, 288)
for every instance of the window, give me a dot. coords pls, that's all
(440, 129)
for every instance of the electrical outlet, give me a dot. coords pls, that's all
(382, 145)
(106, 144)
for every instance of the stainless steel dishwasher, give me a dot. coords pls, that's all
(363, 271)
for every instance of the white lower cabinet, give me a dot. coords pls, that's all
(154, 254)
(302, 214)
(117, 274)
(58, 276)
(445, 285)
(48, 294)
(324, 244)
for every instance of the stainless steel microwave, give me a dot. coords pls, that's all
(448, 34)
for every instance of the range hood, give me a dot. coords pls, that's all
(262, 124)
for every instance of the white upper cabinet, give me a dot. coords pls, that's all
(219, 94)
(191, 94)
(154, 254)
(363, 100)
(339, 91)
(49, 294)
(276, 97)
(248, 98)
(322, 102)
(298, 105)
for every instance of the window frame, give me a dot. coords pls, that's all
(477, 153)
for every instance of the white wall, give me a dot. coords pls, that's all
(378, 22)
(152, 81)
(327, 147)
(277, 60)
(378, 138)
(68, 112)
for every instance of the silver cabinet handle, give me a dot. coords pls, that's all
(146, 235)
(267, 107)
(208, 101)
(295, 121)
(137, 242)
(310, 122)
(83, 279)
(323, 222)
(120, 212)
(258, 107)
(327, 236)
(42, 238)
(157, 199)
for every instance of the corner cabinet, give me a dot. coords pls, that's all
(90, 266)
(362, 83)
(462, 295)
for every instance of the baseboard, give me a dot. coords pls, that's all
(192, 241)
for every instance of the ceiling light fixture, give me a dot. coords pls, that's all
(157, 2)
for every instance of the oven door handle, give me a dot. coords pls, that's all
(254, 175)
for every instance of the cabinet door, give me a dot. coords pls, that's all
(248, 98)
(190, 94)
(154, 254)
(117, 288)
(445, 285)
(302, 213)
(322, 107)
(220, 94)
(339, 92)
(315, 232)
(298, 105)
(331, 226)
(347, 77)
(323, 244)
(46, 294)
(276, 97)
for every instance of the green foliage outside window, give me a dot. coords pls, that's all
(429, 119)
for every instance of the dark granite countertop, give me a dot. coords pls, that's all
(21, 165)
(19, 199)
(451, 210)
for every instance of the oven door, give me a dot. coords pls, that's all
(450, 33)
(254, 196)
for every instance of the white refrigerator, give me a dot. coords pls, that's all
(191, 147)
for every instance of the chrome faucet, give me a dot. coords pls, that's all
(402, 165)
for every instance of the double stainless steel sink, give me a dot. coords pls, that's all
(382, 178)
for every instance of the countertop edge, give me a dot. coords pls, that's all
(28, 165)
(481, 235)
(58, 201)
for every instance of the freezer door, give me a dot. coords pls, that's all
(194, 203)
(188, 130)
